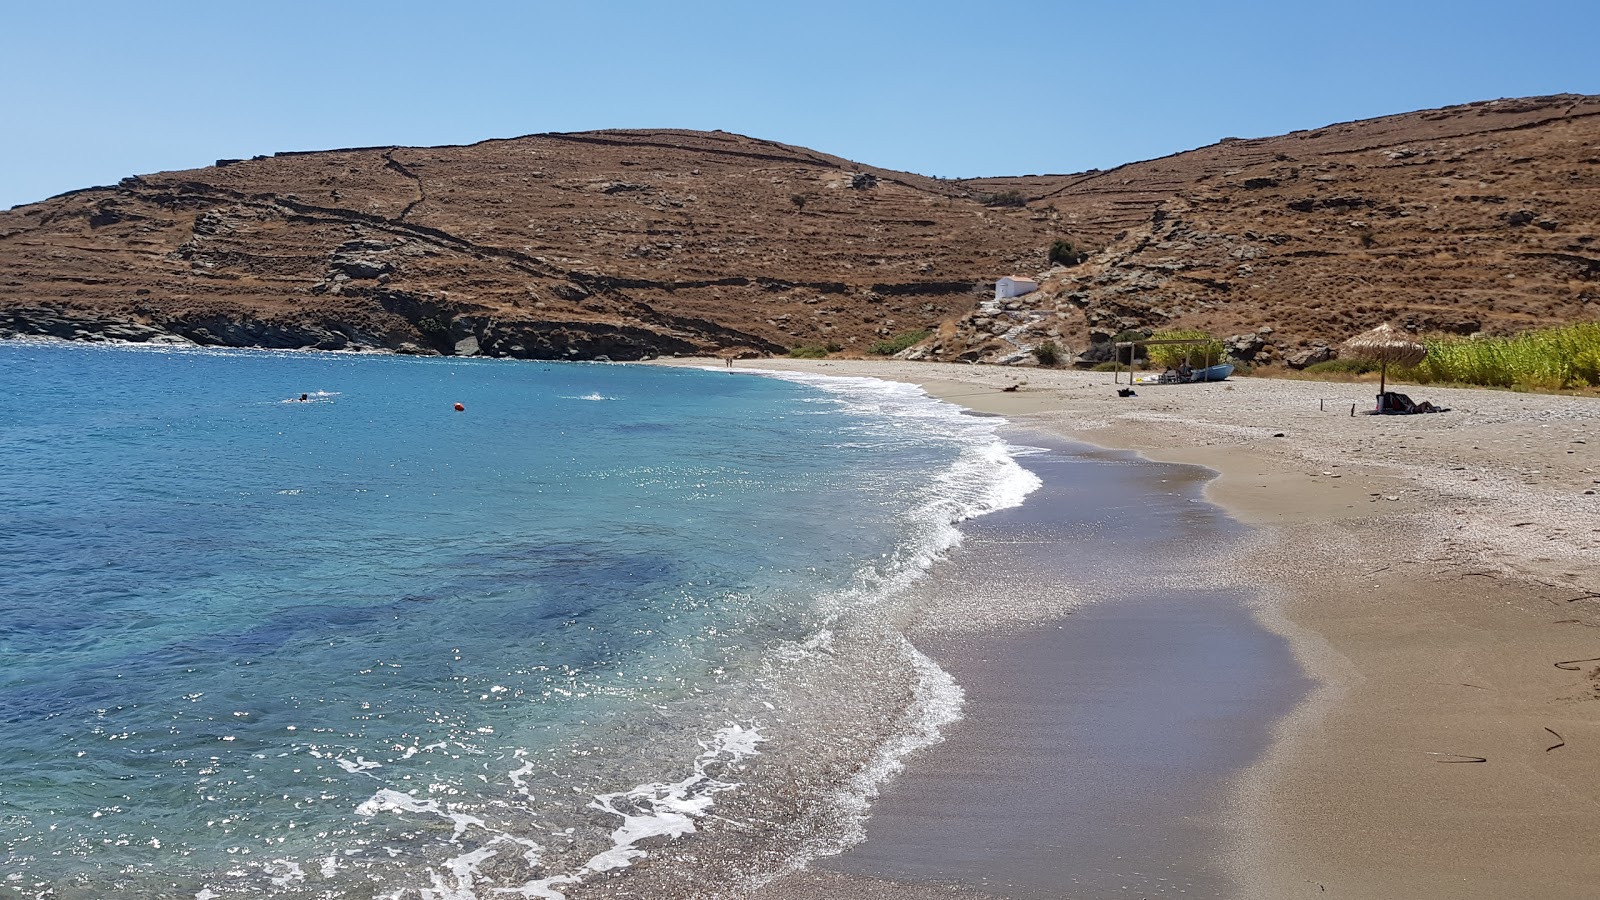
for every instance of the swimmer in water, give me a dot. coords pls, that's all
(304, 398)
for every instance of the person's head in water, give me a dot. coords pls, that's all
(305, 397)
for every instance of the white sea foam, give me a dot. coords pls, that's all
(670, 810)
(284, 872)
(361, 764)
(313, 397)
(464, 869)
(655, 810)
(388, 800)
(985, 477)
(938, 702)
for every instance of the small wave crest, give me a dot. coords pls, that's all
(312, 397)
(937, 703)
(984, 477)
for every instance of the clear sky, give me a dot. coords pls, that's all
(96, 91)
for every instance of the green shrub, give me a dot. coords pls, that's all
(1353, 366)
(1047, 353)
(1123, 337)
(433, 327)
(1006, 198)
(898, 342)
(1546, 359)
(1169, 356)
(809, 351)
(1062, 253)
(1107, 366)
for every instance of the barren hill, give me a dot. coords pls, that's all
(634, 243)
(1482, 217)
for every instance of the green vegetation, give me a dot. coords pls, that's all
(799, 201)
(1006, 198)
(1342, 367)
(809, 351)
(1047, 353)
(1169, 356)
(1547, 359)
(1122, 337)
(898, 342)
(1107, 366)
(433, 327)
(1062, 253)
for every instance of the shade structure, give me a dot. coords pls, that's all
(1384, 345)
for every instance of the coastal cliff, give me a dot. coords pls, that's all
(633, 244)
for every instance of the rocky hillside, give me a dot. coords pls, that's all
(1483, 217)
(622, 244)
(627, 244)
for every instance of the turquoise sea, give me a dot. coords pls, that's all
(367, 645)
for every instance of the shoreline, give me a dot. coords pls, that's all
(1428, 573)
(1103, 725)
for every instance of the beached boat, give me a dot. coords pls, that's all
(1218, 372)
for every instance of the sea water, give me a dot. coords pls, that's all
(367, 645)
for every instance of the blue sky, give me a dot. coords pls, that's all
(100, 90)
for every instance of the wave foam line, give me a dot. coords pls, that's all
(658, 809)
(984, 478)
(937, 703)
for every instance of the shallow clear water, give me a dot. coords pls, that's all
(367, 645)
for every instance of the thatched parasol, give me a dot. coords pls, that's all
(1384, 345)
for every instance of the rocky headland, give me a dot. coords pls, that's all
(635, 244)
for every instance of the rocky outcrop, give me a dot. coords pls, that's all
(24, 322)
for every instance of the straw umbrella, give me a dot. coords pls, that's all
(1384, 345)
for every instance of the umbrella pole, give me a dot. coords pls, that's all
(1383, 377)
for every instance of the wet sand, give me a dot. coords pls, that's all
(1116, 684)
(1428, 573)
(1097, 750)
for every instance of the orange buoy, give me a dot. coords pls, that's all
(460, 408)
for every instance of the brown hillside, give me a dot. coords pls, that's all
(631, 243)
(1481, 217)
(620, 243)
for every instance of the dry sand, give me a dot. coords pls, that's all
(1434, 575)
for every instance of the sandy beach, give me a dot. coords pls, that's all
(1437, 579)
